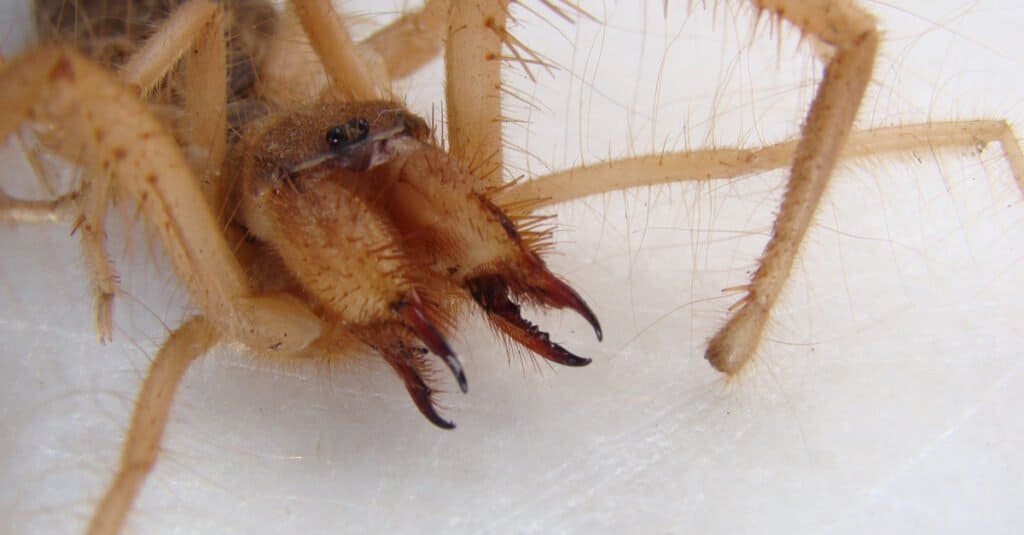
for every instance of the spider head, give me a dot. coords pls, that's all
(364, 142)
(303, 192)
(387, 233)
(348, 136)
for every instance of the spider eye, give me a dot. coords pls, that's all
(343, 136)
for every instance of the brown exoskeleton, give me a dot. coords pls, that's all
(698, 335)
(353, 229)
(387, 235)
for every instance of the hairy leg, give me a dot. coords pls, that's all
(121, 138)
(330, 39)
(196, 25)
(473, 84)
(852, 33)
(185, 28)
(141, 446)
(413, 40)
(725, 162)
(312, 47)
(849, 33)
(204, 122)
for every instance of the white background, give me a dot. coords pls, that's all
(888, 396)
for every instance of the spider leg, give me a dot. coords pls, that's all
(476, 32)
(123, 145)
(413, 40)
(93, 204)
(88, 205)
(312, 52)
(732, 162)
(295, 64)
(196, 26)
(16, 210)
(199, 24)
(186, 27)
(204, 119)
(142, 444)
(853, 37)
(336, 50)
(121, 138)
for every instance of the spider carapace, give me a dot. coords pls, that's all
(357, 210)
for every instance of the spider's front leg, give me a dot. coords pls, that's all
(851, 33)
(852, 37)
(476, 35)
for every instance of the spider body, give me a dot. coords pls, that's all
(381, 229)
(487, 293)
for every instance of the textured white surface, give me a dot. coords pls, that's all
(887, 398)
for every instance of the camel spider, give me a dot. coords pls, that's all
(701, 410)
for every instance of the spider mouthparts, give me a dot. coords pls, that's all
(406, 361)
(554, 292)
(491, 292)
(413, 313)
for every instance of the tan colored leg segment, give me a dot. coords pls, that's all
(413, 40)
(197, 25)
(89, 205)
(725, 163)
(473, 85)
(141, 446)
(92, 225)
(852, 34)
(337, 52)
(122, 139)
(204, 121)
(292, 72)
(179, 33)
(854, 37)
(16, 210)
